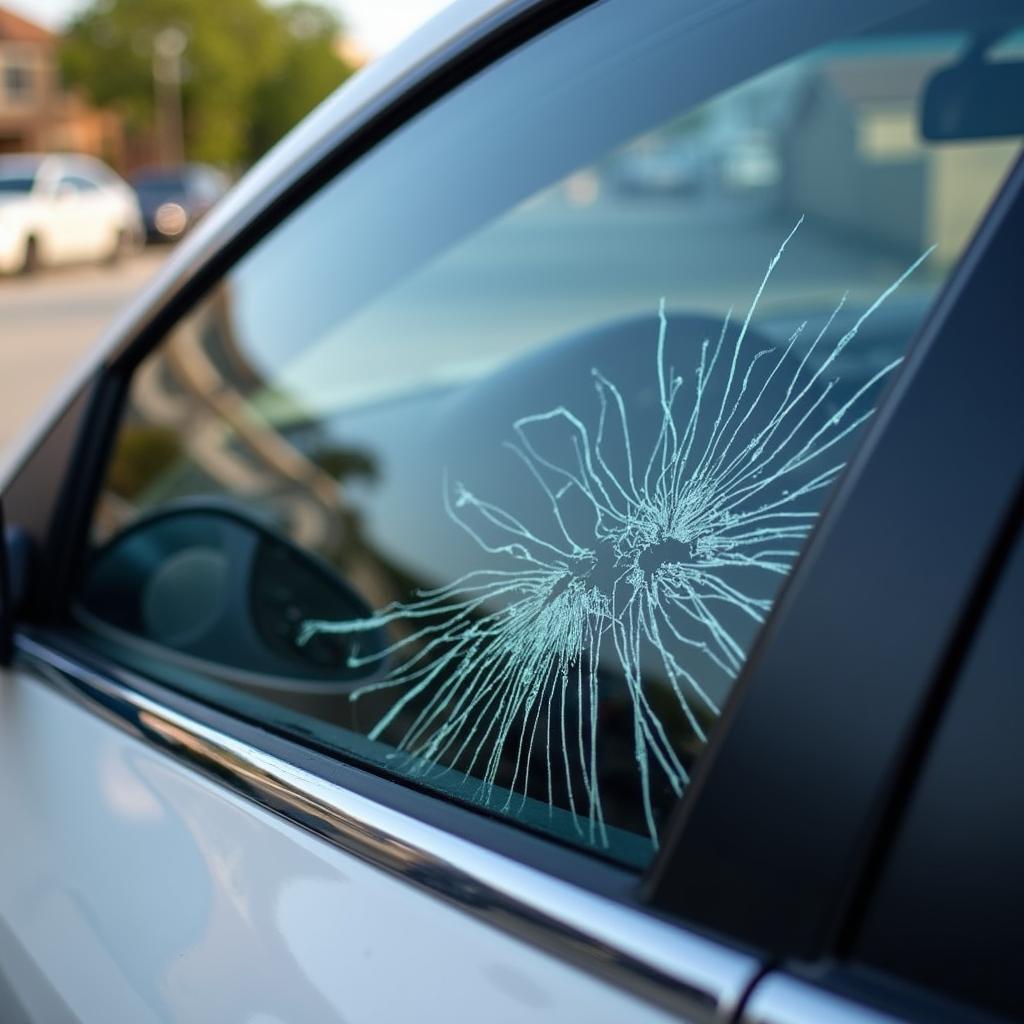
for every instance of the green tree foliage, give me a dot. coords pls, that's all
(309, 70)
(251, 70)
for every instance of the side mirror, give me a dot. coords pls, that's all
(210, 588)
(974, 100)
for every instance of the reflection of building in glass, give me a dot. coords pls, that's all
(36, 113)
(853, 156)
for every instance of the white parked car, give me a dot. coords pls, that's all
(63, 208)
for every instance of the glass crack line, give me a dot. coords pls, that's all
(503, 662)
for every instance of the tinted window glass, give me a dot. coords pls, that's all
(77, 183)
(553, 383)
(23, 184)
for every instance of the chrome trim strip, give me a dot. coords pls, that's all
(658, 961)
(781, 999)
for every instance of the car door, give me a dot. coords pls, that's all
(468, 587)
(85, 216)
(47, 213)
(72, 219)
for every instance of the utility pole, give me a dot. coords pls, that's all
(169, 45)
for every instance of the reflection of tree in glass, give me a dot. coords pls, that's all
(144, 453)
(503, 661)
(344, 463)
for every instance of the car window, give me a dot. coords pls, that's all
(207, 185)
(77, 183)
(102, 175)
(17, 183)
(484, 468)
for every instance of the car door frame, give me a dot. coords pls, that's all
(66, 499)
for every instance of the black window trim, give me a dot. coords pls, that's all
(977, 630)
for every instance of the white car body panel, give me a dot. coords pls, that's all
(133, 889)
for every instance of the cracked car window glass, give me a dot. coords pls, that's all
(484, 468)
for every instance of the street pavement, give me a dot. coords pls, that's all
(47, 324)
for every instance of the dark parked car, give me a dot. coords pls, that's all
(172, 199)
(459, 592)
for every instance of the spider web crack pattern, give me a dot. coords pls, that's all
(503, 661)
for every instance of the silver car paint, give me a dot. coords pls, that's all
(135, 890)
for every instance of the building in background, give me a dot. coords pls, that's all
(37, 114)
(853, 159)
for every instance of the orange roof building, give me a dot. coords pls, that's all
(36, 113)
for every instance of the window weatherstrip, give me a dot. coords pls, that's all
(658, 961)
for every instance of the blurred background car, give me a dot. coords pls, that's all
(172, 199)
(63, 208)
(750, 162)
(659, 164)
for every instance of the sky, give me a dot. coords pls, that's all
(377, 25)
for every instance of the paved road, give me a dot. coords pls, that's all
(48, 322)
